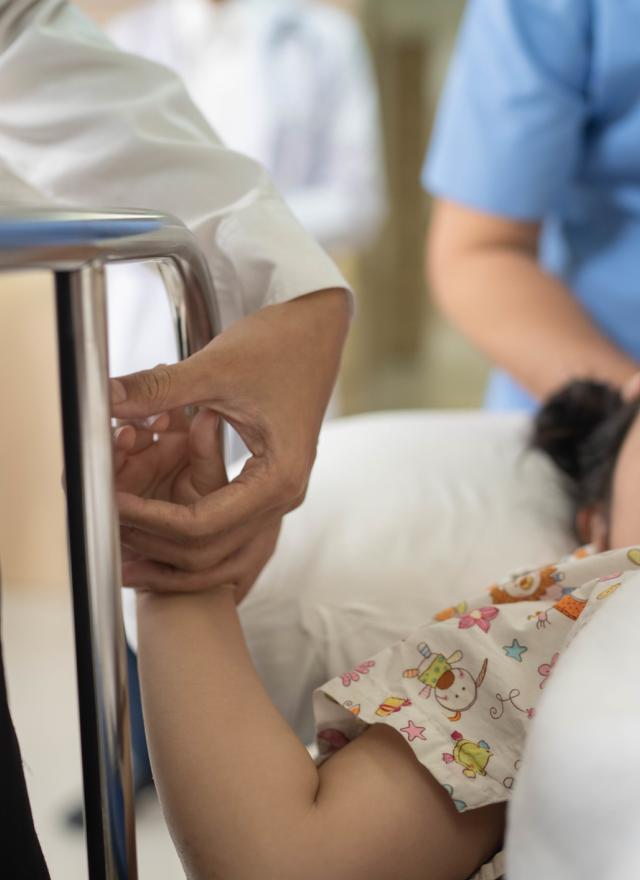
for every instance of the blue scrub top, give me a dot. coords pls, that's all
(540, 121)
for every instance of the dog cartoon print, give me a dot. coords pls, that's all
(455, 688)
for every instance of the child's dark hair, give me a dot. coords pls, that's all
(582, 428)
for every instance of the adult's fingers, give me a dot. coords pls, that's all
(128, 555)
(197, 555)
(247, 497)
(166, 579)
(164, 518)
(164, 387)
(239, 570)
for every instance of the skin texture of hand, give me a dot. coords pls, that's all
(270, 376)
(181, 465)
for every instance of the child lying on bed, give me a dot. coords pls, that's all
(419, 745)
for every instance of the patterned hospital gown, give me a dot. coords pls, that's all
(462, 689)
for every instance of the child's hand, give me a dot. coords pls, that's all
(124, 439)
(180, 465)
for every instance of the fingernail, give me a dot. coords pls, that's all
(150, 421)
(118, 392)
(124, 432)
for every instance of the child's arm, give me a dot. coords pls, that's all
(243, 798)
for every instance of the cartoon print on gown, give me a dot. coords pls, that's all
(455, 688)
(462, 688)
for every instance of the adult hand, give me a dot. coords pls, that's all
(181, 465)
(270, 376)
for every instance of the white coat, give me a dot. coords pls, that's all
(83, 124)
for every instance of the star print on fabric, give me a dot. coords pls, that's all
(413, 731)
(515, 650)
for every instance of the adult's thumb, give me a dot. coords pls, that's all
(164, 387)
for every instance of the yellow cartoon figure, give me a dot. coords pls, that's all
(472, 757)
(455, 688)
(392, 705)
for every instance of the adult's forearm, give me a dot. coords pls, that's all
(236, 784)
(525, 320)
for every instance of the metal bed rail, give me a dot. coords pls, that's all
(77, 246)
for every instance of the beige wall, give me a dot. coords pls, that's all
(32, 531)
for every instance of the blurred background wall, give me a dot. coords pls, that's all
(401, 354)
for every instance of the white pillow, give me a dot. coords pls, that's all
(575, 813)
(406, 513)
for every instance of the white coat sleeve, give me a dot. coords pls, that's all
(88, 125)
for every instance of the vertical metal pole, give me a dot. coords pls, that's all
(95, 573)
(174, 287)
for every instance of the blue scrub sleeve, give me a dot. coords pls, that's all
(508, 137)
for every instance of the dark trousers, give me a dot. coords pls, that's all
(141, 764)
(21, 857)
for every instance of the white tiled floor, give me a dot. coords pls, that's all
(38, 646)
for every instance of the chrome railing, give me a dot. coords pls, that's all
(76, 247)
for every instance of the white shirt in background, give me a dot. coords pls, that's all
(287, 82)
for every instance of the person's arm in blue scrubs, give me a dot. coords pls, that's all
(508, 141)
